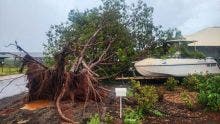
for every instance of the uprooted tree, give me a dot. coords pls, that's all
(126, 32)
(80, 83)
(136, 36)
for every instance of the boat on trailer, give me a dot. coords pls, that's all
(178, 67)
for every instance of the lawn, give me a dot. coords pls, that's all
(8, 71)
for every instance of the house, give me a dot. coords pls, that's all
(207, 41)
(3, 56)
(11, 57)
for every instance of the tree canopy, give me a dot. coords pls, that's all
(129, 27)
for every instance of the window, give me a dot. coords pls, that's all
(211, 65)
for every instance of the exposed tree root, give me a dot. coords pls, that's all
(57, 83)
(60, 96)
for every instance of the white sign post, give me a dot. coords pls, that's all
(120, 92)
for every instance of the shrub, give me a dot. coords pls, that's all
(210, 100)
(187, 100)
(209, 93)
(108, 119)
(146, 96)
(209, 89)
(94, 119)
(171, 83)
(157, 113)
(186, 53)
(132, 117)
(191, 82)
(129, 92)
(135, 85)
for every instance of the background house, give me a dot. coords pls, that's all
(208, 41)
(8, 59)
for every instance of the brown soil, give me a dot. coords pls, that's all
(175, 111)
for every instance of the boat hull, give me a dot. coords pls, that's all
(178, 69)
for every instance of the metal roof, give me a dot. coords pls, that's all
(5, 55)
(33, 54)
(181, 41)
(206, 37)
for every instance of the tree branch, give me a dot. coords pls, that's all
(22, 50)
(102, 55)
(84, 49)
(87, 67)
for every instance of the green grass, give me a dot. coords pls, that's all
(9, 71)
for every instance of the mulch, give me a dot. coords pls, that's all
(175, 112)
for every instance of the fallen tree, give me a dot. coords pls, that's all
(57, 83)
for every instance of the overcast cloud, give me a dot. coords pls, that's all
(27, 21)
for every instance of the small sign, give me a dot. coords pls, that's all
(120, 91)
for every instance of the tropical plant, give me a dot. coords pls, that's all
(146, 96)
(186, 99)
(108, 118)
(157, 112)
(208, 87)
(209, 93)
(191, 82)
(171, 83)
(131, 116)
(187, 53)
(94, 119)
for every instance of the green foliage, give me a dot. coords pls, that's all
(169, 50)
(49, 61)
(156, 112)
(129, 92)
(141, 25)
(94, 119)
(146, 96)
(209, 89)
(130, 26)
(209, 93)
(186, 53)
(164, 49)
(191, 82)
(108, 118)
(135, 85)
(171, 83)
(131, 116)
(186, 99)
(80, 27)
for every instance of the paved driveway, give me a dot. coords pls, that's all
(15, 87)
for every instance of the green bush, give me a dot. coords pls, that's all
(191, 82)
(146, 96)
(187, 53)
(209, 93)
(108, 119)
(157, 113)
(132, 117)
(129, 92)
(94, 119)
(208, 87)
(187, 100)
(171, 83)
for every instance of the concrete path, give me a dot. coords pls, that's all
(10, 76)
(12, 85)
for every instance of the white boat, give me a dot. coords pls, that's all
(176, 67)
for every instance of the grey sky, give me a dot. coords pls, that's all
(27, 21)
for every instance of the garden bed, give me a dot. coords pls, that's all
(173, 111)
